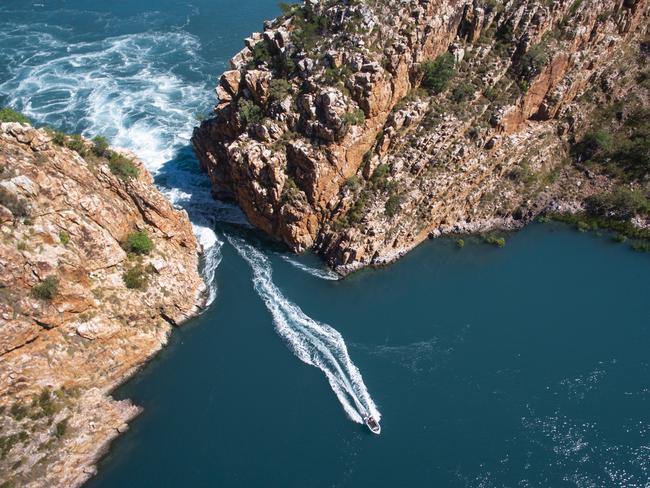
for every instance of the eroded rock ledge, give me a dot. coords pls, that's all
(63, 220)
(326, 140)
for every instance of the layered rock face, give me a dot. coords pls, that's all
(326, 139)
(70, 329)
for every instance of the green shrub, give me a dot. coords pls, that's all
(287, 8)
(77, 144)
(336, 76)
(380, 173)
(138, 243)
(594, 143)
(632, 145)
(7, 443)
(643, 79)
(523, 173)
(249, 113)
(122, 167)
(100, 145)
(355, 117)
(18, 411)
(393, 205)
(261, 54)
(623, 149)
(495, 241)
(463, 92)
(135, 278)
(352, 182)
(18, 206)
(623, 227)
(504, 35)
(524, 86)
(47, 289)
(9, 115)
(574, 7)
(59, 138)
(61, 428)
(308, 28)
(46, 402)
(290, 189)
(356, 213)
(532, 62)
(64, 237)
(641, 246)
(438, 73)
(279, 89)
(622, 203)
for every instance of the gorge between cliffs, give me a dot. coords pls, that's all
(218, 250)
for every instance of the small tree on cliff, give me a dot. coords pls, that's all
(437, 73)
(249, 113)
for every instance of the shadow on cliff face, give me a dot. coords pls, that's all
(189, 188)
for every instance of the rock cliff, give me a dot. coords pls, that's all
(96, 268)
(360, 128)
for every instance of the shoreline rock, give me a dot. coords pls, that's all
(71, 331)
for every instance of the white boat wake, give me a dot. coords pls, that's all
(314, 343)
(323, 274)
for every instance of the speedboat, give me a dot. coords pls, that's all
(372, 424)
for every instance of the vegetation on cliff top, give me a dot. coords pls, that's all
(9, 115)
(97, 150)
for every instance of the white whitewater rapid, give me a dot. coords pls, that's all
(124, 88)
(314, 343)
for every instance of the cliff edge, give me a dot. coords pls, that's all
(359, 129)
(96, 268)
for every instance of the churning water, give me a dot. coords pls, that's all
(144, 91)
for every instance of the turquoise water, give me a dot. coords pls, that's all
(519, 367)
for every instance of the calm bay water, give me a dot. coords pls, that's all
(519, 367)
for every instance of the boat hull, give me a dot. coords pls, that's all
(373, 425)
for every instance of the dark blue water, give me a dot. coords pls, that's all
(519, 367)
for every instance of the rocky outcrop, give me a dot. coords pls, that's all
(326, 139)
(70, 328)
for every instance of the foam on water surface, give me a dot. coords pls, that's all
(323, 274)
(126, 88)
(132, 89)
(313, 342)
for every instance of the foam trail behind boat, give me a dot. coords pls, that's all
(323, 274)
(314, 343)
